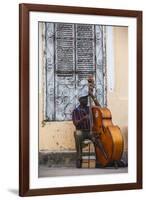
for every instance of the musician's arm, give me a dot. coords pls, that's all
(76, 121)
(96, 102)
(94, 99)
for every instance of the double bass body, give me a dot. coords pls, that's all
(109, 136)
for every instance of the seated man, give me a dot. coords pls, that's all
(81, 120)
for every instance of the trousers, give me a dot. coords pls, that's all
(80, 136)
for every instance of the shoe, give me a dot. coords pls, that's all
(97, 165)
(121, 163)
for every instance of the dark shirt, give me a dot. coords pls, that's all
(77, 114)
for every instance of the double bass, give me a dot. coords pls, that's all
(108, 136)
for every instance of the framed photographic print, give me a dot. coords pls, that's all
(80, 99)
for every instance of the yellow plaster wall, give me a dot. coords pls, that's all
(118, 99)
(58, 136)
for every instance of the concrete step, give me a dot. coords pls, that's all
(61, 159)
(68, 158)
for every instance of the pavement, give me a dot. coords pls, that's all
(45, 171)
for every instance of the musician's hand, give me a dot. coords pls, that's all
(76, 122)
(94, 98)
(91, 94)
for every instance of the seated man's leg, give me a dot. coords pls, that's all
(78, 141)
(95, 139)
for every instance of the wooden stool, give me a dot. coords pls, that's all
(88, 158)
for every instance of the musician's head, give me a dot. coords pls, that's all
(83, 101)
(83, 96)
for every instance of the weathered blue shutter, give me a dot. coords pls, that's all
(73, 51)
